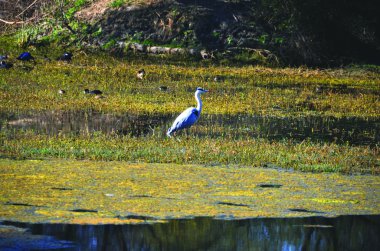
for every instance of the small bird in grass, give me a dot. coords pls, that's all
(61, 92)
(26, 56)
(218, 79)
(96, 92)
(65, 57)
(188, 117)
(163, 88)
(141, 74)
(5, 65)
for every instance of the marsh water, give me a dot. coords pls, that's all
(347, 130)
(313, 233)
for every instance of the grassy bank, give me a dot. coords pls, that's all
(244, 89)
(305, 156)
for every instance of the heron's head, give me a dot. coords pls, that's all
(200, 90)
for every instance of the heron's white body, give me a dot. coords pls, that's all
(188, 117)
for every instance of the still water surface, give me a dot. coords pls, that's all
(313, 233)
(354, 131)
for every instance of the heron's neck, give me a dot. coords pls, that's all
(199, 101)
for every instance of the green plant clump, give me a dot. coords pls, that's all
(117, 3)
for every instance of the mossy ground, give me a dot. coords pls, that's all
(117, 192)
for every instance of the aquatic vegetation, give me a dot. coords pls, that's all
(92, 192)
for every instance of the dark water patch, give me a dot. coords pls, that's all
(212, 234)
(232, 204)
(14, 238)
(343, 89)
(141, 196)
(317, 89)
(136, 217)
(81, 210)
(269, 185)
(9, 203)
(281, 86)
(83, 123)
(303, 210)
(317, 226)
(62, 188)
(346, 130)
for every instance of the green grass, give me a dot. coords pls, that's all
(249, 89)
(305, 156)
(117, 3)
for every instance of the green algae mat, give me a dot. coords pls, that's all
(91, 192)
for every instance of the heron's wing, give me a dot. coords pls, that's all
(186, 119)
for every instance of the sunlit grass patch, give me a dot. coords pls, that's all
(255, 152)
(245, 89)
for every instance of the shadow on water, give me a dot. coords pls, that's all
(314, 233)
(83, 123)
(353, 130)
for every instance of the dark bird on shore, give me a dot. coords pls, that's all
(96, 92)
(163, 88)
(188, 117)
(218, 79)
(5, 65)
(65, 57)
(141, 74)
(25, 56)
